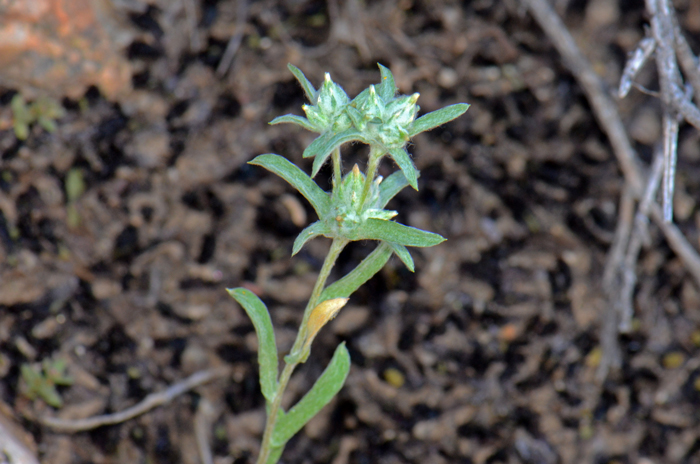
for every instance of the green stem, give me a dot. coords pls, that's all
(336, 247)
(375, 154)
(266, 447)
(337, 168)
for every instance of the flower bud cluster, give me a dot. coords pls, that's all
(383, 122)
(349, 212)
(376, 116)
(328, 114)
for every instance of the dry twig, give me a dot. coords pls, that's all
(606, 112)
(148, 403)
(203, 420)
(234, 42)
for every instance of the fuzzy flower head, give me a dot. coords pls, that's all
(350, 213)
(381, 120)
(328, 113)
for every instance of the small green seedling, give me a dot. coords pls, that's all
(44, 111)
(40, 381)
(352, 210)
(75, 187)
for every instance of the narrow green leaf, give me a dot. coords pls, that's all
(318, 145)
(364, 271)
(298, 179)
(323, 391)
(314, 230)
(403, 160)
(387, 88)
(267, 350)
(404, 255)
(390, 231)
(324, 145)
(391, 186)
(293, 119)
(437, 118)
(309, 89)
(275, 454)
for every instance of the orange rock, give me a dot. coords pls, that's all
(60, 47)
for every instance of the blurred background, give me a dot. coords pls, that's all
(127, 207)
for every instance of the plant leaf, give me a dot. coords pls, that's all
(387, 88)
(437, 118)
(373, 263)
(323, 146)
(275, 454)
(404, 255)
(390, 231)
(298, 179)
(314, 230)
(267, 350)
(294, 119)
(392, 185)
(309, 89)
(403, 160)
(323, 391)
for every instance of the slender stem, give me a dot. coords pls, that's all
(337, 168)
(375, 155)
(336, 247)
(266, 447)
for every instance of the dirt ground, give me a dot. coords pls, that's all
(487, 354)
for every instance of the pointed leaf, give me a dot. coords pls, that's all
(392, 185)
(404, 255)
(324, 145)
(275, 454)
(293, 119)
(267, 350)
(305, 84)
(390, 231)
(298, 179)
(314, 230)
(403, 160)
(323, 391)
(387, 88)
(364, 271)
(437, 118)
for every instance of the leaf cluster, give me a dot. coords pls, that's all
(41, 381)
(353, 210)
(44, 111)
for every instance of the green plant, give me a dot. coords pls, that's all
(44, 111)
(40, 381)
(353, 210)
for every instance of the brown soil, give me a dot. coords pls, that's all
(487, 354)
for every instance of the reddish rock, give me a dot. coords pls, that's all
(60, 47)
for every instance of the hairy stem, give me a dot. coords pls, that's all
(337, 168)
(375, 154)
(296, 357)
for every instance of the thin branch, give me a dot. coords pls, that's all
(603, 107)
(612, 356)
(610, 121)
(203, 420)
(678, 243)
(234, 42)
(670, 80)
(670, 156)
(638, 58)
(687, 59)
(12, 449)
(639, 237)
(151, 401)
